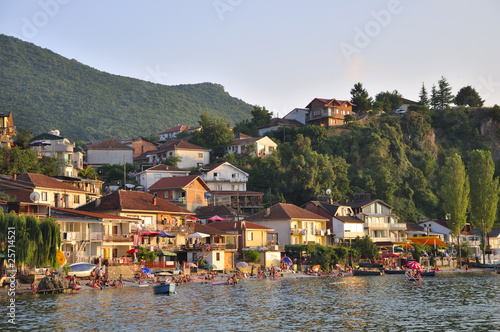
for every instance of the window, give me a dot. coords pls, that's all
(337, 110)
(216, 174)
(200, 155)
(166, 194)
(77, 199)
(271, 149)
(217, 256)
(44, 196)
(219, 187)
(235, 175)
(249, 236)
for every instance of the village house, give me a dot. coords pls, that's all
(151, 175)
(278, 124)
(92, 187)
(328, 112)
(140, 145)
(53, 145)
(7, 130)
(191, 155)
(172, 132)
(188, 192)
(42, 189)
(203, 213)
(109, 153)
(342, 225)
(292, 224)
(154, 213)
(258, 146)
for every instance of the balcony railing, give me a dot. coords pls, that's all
(95, 236)
(377, 225)
(72, 236)
(179, 229)
(296, 231)
(398, 226)
(117, 238)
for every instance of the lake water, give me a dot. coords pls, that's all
(447, 302)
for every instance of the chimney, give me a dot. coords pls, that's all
(154, 198)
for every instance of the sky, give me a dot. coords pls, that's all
(276, 54)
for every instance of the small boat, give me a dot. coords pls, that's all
(394, 271)
(431, 273)
(366, 273)
(164, 288)
(370, 265)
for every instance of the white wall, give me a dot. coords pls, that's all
(103, 157)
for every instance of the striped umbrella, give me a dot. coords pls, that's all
(414, 265)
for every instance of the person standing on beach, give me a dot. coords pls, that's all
(120, 281)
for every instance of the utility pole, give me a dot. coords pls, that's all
(124, 173)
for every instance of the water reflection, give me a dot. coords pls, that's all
(388, 303)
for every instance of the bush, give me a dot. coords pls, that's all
(252, 256)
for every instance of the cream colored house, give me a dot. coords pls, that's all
(191, 155)
(259, 146)
(151, 175)
(292, 224)
(109, 153)
(42, 189)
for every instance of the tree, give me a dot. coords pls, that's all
(455, 194)
(366, 248)
(214, 134)
(172, 161)
(23, 137)
(260, 116)
(424, 100)
(360, 98)
(434, 98)
(468, 96)
(88, 173)
(484, 192)
(445, 97)
(388, 101)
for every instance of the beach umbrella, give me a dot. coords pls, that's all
(210, 267)
(242, 270)
(190, 264)
(287, 260)
(414, 265)
(192, 218)
(242, 265)
(197, 235)
(133, 251)
(216, 218)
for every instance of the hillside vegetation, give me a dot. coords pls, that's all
(46, 91)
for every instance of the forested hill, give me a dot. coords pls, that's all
(46, 91)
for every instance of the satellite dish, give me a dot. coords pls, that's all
(35, 197)
(328, 191)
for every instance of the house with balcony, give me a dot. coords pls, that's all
(42, 189)
(342, 225)
(191, 155)
(7, 130)
(151, 175)
(228, 185)
(189, 192)
(55, 146)
(380, 224)
(85, 235)
(253, 236)
(258, 146)
(154, 213)
(292, 224)
(328, 112)
(92, 187)
(109, 152)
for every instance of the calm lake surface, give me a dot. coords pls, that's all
(447, 302)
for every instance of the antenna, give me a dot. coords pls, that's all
(35, 197)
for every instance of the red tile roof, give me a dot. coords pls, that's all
(350, 220)
(122, 200)
(331, 102)
(31, 180)
(237, 225)
(177, 182)
(109, 144)
(95, 215)
(177, 145)
(285, 211)
(207, 229)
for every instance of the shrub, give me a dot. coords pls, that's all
(252, 256)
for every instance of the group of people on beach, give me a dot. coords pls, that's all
(98, 279)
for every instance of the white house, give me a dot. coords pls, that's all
(191, 155)
(224, 176)
(153, 174)
(260, 146)
(172, 132)
(109, 153)
(298, 114)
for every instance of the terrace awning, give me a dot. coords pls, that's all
(429, 240)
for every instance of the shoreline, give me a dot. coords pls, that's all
(24, 289)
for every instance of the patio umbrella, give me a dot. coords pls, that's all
(192, 218)
(197, 235)
(414, 265)
(190, 264)
(133, 251)
(216, 218)
(149, 233)
(210, 267)
(243, 265)
(242, 270)
(165, 234)
(287, 260)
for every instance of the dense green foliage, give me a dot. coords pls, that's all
(46, 91)
(468, 96)
(251, 256)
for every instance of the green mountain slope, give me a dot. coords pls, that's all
(46, 91)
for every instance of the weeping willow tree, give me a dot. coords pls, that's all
(36, 243)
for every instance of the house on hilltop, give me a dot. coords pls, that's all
(151, 175)
(191, 155)
(259, 146)
(328, 112)
(172, 132)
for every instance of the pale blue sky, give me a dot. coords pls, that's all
(278, 54)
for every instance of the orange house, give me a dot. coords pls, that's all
(328, 112)
(188, 192)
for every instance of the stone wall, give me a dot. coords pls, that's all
(125, 270)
